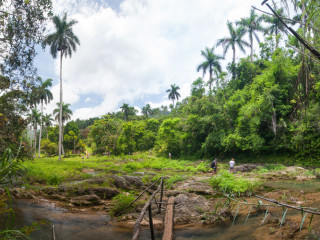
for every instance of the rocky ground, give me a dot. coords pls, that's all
(196, 202)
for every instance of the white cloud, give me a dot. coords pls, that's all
(140, 50)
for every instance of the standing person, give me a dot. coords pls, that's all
(150, 152)
(232, 163)
(170, 155)
(214, 166)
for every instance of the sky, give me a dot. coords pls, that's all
(131, 51)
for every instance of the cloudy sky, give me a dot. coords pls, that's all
(132, 50)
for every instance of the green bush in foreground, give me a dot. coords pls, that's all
(120, 202)
(230, 183)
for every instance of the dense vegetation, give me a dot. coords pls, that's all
(263, 104)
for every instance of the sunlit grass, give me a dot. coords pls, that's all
(51, 171)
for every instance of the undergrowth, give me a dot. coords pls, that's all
(229, 183)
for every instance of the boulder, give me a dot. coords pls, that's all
(135, 181)
(120, 182)
(190, 208)
(245, 167)
(105, 192)
(86, 200)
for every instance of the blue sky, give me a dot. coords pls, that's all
(132, 50)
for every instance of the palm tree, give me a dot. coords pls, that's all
(125, 109)
(146, 110)
(47, 120)
(173, 93)
(64, 41)
(275, 25)
(251, 25)
(235, 39)
(61, 119)
(211, 63)
(44, 95)
(34, 118)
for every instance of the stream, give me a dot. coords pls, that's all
(94, 226)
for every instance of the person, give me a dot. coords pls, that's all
(232, 163)
(214, 166)
(170, 155)
(150, 152)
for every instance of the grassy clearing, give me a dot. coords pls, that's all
(51, 171)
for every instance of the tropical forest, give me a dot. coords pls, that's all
(233, 153)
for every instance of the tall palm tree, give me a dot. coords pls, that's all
(34, 119)
(275, 26)
(62, 118)
(251, 25)
(125, 109)
(211, 63)
(235, 39)
(63, 40)
(173, 93)
(44, 95)
(146, 110)
(47, 120)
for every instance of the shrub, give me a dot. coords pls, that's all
(54, 179)
(120, 202)
(172, 180)
(274, 167)
(229, 183)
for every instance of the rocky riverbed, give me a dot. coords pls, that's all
(196, 202)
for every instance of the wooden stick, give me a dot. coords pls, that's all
(168, 221)
(288, 206)
(161, 195)
(137, 198)
(53, 234)
(150, 222)
(136, 229)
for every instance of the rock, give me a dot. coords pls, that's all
(86, 200)
(245, 167)
(190, 208)
(120, 182)
(105, 192)
(201, 188)
(136, 181)
(172, 193)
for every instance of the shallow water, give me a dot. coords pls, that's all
(94, 226)
(306, 186)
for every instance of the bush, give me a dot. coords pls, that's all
(229, 183)
(54, 179)
(120, 202)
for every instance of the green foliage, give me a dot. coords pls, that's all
(230, 183)
(169, 138)
(120, 202)
(10, 168)
(50, 148)
(169, 183)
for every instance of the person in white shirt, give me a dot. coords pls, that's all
(232, 163)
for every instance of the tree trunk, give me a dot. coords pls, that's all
(210, 81)
(40, 127)
(62, 148)
(60, 113)
(277, 39)
(251, 43)
(274, 121)
(233, 62)
(172, 103)
(35, 140)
